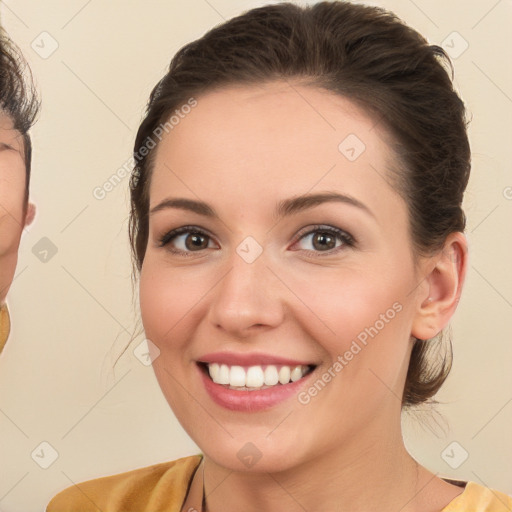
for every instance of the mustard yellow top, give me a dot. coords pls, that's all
(5, 325)
(164, 487)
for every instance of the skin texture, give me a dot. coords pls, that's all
(13, 213)
(242, 150)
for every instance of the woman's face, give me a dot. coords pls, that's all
(12, 197)
(262, 279)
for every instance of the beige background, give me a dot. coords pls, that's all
(73, 313)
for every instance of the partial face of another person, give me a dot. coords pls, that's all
(329, 285)
(14, 214)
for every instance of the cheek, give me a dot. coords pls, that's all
(362, 317)
(157, 301)
(171, 309)
(346, 303)
(12, 196)
(169, 301)
(12, 193)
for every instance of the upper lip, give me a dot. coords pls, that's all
(250, 359)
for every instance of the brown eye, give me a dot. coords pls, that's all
(323, 239)
(185, 240)
(196, 241)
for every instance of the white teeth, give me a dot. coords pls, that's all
(255, 377)
(296, 374)
(223, 374)
(213, 370)
(237, 376)
(284, 375)
(271, 376)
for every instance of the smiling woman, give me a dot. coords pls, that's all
(299, 239)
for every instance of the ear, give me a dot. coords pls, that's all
(441, 288)
(31, 213)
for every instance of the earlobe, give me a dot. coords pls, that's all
(31, 213)
(443, 286)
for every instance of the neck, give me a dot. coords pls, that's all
(374, 473)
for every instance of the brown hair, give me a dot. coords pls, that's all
(369, 56)
(18, 99)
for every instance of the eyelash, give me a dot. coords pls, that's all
(347, 239)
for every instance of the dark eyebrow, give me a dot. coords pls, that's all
(284, 208)
(4, 146)
(185, 204)
(299, 203)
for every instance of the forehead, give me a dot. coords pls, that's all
(245, 143)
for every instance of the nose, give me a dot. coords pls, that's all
(247, 299)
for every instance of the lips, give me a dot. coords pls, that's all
(252, 382)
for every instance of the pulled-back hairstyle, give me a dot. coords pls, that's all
(365, 54)
(18, 99)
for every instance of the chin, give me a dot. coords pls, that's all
(251, 457)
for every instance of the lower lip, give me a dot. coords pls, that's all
(251, 401)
